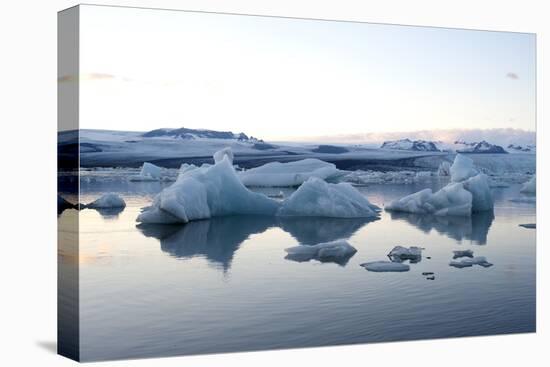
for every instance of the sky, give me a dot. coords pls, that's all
(279, 78)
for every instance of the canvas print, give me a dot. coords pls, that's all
(236, 183)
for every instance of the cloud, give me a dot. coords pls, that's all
(512, 76)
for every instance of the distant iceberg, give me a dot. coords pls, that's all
(276, 174)
(149, 172)
(468, 192)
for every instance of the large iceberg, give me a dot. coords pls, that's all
(530, 187)
(204, 193)
(317, 198)
(338, 251)
(468, 192)
(212, 191)
(276, 174)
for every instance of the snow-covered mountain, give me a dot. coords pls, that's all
(414, 145)
(529, 148)
(480, 147)
(186, 133)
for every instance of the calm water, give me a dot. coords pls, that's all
(224, 285)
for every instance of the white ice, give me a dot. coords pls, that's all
(149, 172)
(530, 187)
(336, 251)
(385, 266)
(462, 168)
(317, 198)
(107, 201)
(204, 193)
(469, 192)
(225, 152)
(277, 174)
(406, 253)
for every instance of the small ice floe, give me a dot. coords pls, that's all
(107, 201)
(385, 266)
(431, 277)
(225, 152)
(338, 251)
(463, 253)
(529, 225)
(478, 260)
(427, 273)
(530, 187)
(401, 253)
(149, 172)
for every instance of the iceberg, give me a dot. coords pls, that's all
(317, 198)
(462, 168)
(400, 253)
(204, 193)
(107, 201)
(385, 266)
(478, 260)
(338, 251)
(468, 192)
(225, 152)
(530, 187)
(149, 172)
(276, 174)
(184, 169)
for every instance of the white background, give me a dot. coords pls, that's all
(28, 173)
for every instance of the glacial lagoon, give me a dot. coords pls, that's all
(226, 284)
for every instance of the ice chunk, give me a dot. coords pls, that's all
(530, 187)
(385, 266)
(149, 172)
(106, 201)
(462, 168)
(406, 253)
(204, 193)
(478, 260)
(444, 169)
(225, 152)
(338, 251)
(529, 225)
(478, 186)
(450, 200)
(276, 174)
(462, 253)
(317, 198)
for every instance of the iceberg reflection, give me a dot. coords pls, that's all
(474, 228)
(217, 239)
